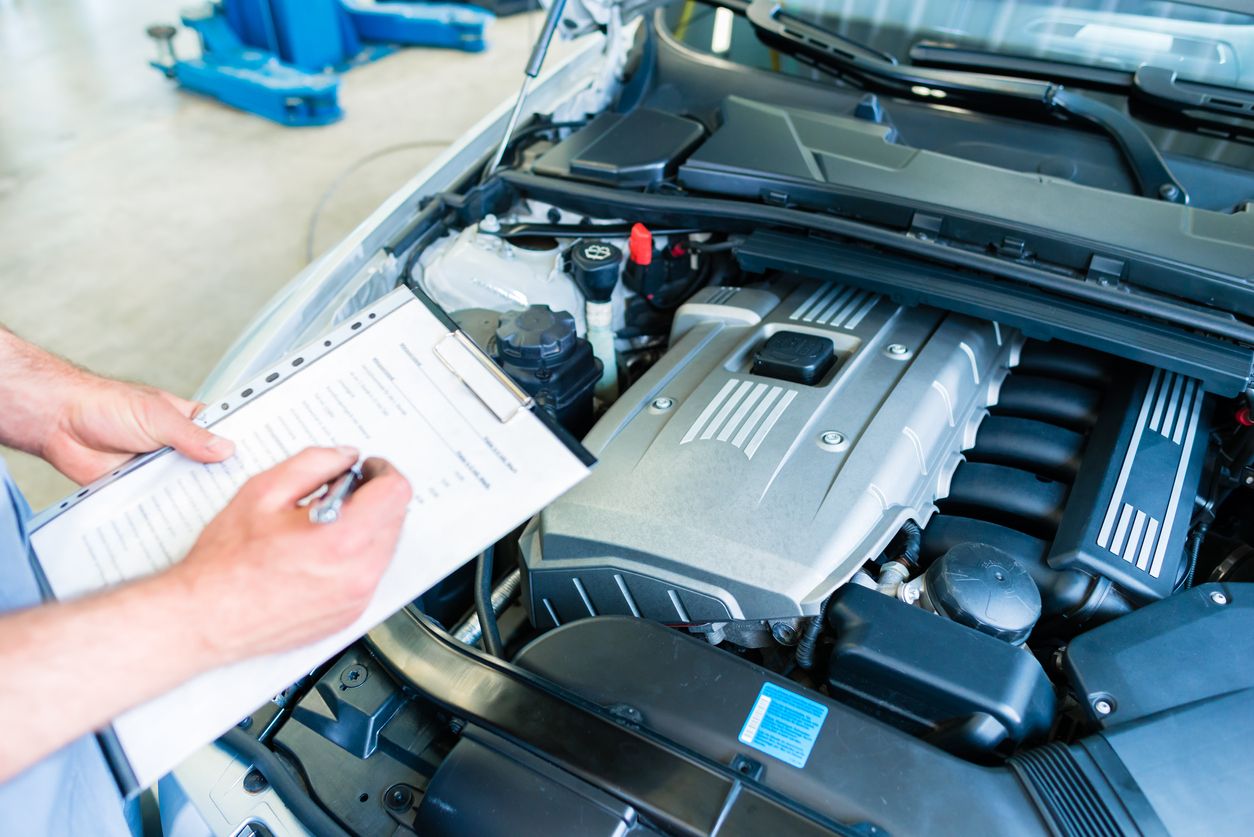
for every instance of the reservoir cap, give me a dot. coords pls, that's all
(595, 266)
(535, 335)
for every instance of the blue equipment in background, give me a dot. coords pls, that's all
(279, 58)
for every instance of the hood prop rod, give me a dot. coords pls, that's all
(534, 63)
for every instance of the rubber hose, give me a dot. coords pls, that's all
(910, 546)
(288, 788)
(1195, 548)
(483, 605)
(810, 638)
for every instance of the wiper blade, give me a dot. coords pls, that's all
(1227, 109)
(946, 55)
(1195, 103)
(809, 42)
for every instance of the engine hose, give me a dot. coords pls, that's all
(910, 547)
(483, 604)
(280, 777)
(810, 637)
(1195, 547)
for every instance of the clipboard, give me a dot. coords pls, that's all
(460, 355)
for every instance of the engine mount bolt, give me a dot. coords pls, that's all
(1103, 707)
(784, 633)
(1218, 598)
(832, 438)
(662, 404)
(897, 350)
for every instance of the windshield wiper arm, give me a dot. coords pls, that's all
(817, 45)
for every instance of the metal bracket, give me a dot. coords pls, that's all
(1012, 247)
(1105, 271)
(925, 227)
(775, 198)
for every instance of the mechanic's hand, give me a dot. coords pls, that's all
(264, 578)
(104, 423)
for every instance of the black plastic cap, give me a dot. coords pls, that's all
(793, 356)
(535, 335)
(985, 588)
(595, 266)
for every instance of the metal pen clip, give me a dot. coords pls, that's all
(326, 509)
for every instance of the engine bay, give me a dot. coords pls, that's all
(973, 547)
(908, 510)
(891, 494)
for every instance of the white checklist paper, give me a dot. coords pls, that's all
(382, 388)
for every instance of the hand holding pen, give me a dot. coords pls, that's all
(326, 508)
(276, 579)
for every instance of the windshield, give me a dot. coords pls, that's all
(1201, 43)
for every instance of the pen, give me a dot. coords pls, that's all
(326, 509)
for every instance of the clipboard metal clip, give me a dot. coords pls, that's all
(494, 389)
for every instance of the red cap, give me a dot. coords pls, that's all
(1244, 418)
(641, 245)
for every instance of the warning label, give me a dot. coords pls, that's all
(783, 724)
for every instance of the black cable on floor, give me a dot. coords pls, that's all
(483, 605)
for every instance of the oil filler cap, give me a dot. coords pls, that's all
(793, 356)
(985, 588)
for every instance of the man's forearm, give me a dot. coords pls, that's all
(77, 665)
(34, 387)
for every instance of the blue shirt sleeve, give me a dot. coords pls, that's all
(72, 791)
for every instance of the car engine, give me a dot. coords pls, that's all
(793, 429)
(886, 503)
(789, 432)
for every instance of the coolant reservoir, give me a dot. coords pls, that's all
(480, 270)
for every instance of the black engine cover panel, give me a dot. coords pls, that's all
(1191, 647)
(1128, 515)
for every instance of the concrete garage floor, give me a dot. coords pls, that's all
(141, 227)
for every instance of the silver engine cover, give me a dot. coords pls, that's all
(722, 495)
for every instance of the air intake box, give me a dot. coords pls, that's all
(969, 693)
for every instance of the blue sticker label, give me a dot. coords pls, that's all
(783, 724)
